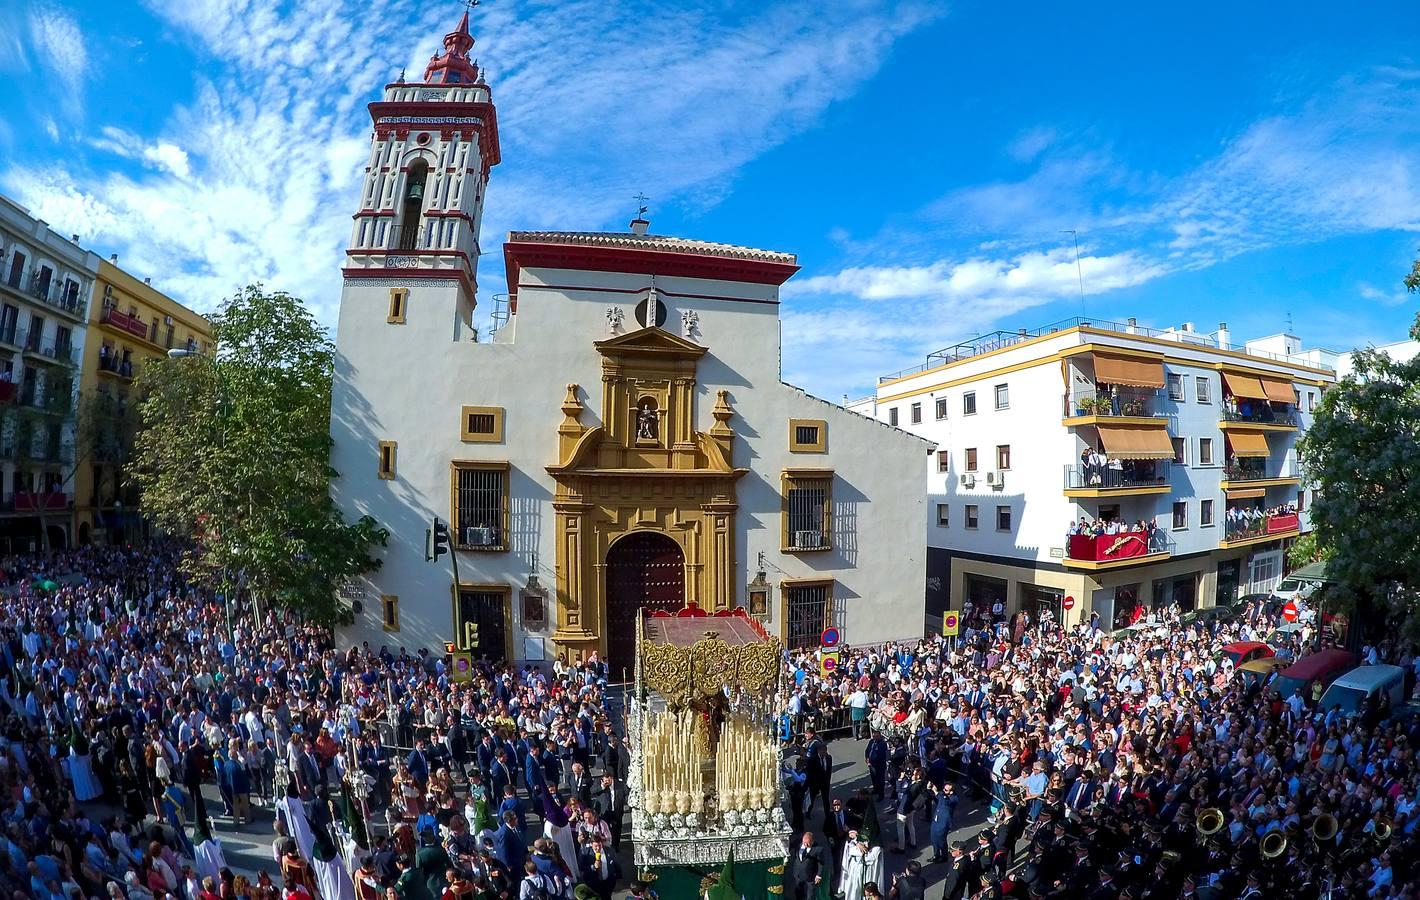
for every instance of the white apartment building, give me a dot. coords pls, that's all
(1199, 438)
(46, 281)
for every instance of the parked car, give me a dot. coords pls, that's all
(1259, 669)
(1246, 651)
(1351, 690)
(1324, 666)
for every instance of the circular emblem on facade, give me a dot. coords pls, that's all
(423, 138)
(641, 314)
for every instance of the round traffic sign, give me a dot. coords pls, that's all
(950, 619)
(1289, 611)
(830, 664)
(1068, 603)
(829, 638)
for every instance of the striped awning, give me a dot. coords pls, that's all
(1129, 371)
(1247, 444)
(1278, 390)
(1245, 493)
(1245, 386)
(1123, 442)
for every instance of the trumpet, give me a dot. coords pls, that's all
(1209, 821)
(1274, 845)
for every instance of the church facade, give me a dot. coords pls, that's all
(622, 440)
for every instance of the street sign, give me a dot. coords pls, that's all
(829, 638)
(828, 663)
(951, 624)
(1289, 611)
(462, 668)
(1068, 603)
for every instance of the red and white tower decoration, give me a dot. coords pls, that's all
(421, 206)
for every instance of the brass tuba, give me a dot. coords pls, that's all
(1324, 828)
(1274, 845)
(1209, 821)
(1384, 829)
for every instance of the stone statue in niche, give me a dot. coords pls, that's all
(648, 421)
(614, 317)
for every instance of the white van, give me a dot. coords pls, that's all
(1351, 690)
(1290, 588)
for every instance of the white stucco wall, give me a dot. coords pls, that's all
(406, 383)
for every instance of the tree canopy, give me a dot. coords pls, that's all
(1363, 454)
(234, 451)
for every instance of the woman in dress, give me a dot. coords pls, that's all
(81, 770)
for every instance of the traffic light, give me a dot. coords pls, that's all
(470, 635)
(439, 539)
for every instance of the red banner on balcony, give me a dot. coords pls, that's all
(1287, 522)
(1105, 547)
(26, 501)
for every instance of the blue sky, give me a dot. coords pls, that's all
(1220, 162)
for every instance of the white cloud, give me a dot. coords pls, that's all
(59, 46)
(1345, 162)
(596, 100)
(1030, 144)
(913, 310)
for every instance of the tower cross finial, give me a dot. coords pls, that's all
(641, 206)
(470, 4)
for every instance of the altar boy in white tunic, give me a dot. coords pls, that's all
(862, 857)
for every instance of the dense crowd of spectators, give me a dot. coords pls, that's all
(1097, 754)
(387, 779)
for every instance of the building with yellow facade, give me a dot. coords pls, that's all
(130, 323)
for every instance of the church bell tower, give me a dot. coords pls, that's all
(421, 205)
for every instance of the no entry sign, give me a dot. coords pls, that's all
(1068, 603)
(1289, 611)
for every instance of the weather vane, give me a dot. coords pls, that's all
(641, 206)
(469, 3)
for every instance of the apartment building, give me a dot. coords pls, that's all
(130, 322)
(46, 282)
(1182, 440)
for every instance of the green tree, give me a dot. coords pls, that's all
(1363, 454)
(234, 451)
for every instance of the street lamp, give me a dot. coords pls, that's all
(222, 400)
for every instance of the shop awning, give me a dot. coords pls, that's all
(1246, 443)
(1246, 386)
(1136, 443)
(1278, 391)
(1245, 493)
(1129, 371)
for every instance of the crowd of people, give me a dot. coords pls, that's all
(1130, 764)
(387, 780)
(1099, 469)
(1253, 519)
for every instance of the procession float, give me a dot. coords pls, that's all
(705, 780)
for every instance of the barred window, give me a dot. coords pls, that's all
(482, 424)
(806, 434)
(389, 610)
(807, 509)
(480, 505)
(809, 610)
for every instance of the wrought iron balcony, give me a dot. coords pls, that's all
(1131, 402)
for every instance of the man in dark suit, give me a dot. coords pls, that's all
(418, 763)
(961, 876)
(805, 868)
(819, 767)
(610, 804)
(615, 759)
(499, 775)
(580, 784)
(599, 867)
(837, 822)
(910, 885)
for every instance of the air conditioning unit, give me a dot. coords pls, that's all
(968, 480)
(996, 479)
(990, 477)
(807, 539)
(480, 536)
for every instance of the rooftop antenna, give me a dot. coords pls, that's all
(1079, 273)
(641, 206)
(1289, 321)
